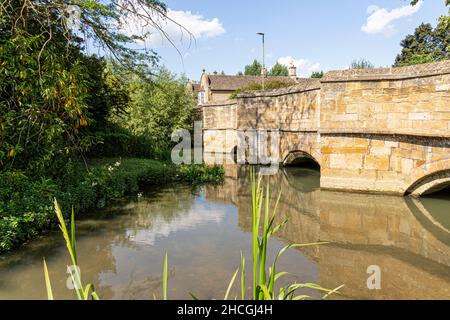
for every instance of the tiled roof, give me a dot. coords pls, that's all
(196, 87)
(232, 83)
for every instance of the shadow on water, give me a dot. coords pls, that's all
(204, 231)
(437, 204)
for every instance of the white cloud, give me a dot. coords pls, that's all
(304, 66)
(197, 24)
(381, 20)
(174, 27)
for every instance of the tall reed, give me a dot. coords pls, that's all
(83, 292)
(265, 278)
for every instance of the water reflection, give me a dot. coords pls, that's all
(204, 231)
(410, 244)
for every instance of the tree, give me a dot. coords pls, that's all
(317, 74)
(279, 70)
(426, 44)
(157, 107)
(361, 64)
(50, 90)
(100, 22)
(253, 69)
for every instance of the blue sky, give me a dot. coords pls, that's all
(319, 34)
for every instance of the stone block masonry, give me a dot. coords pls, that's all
(377, 130)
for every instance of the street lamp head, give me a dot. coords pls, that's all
(260, 33)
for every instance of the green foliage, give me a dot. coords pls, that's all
(98, 21)
(106, 94)
(361, 64)
(199, 174)
(120, 143)
(52, 95)
(26, 205)
(42, 101)
(317, 74)
(157, 108)
(279, 70)
(268, 85)
(426, 44)
(253, 69)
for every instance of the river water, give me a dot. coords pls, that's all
(204, 230)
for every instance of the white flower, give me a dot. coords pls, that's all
(139, 195)
(94, 184)
(110, 169)
(117, 164)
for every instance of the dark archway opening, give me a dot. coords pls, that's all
(301, 159)
(438, 191)
(306, 163)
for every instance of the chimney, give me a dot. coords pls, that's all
(292, 71)
(264, 72)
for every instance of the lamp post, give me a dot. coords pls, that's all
(264, 58)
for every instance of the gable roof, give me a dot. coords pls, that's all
(232, 83)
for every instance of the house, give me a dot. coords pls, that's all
(216, 87)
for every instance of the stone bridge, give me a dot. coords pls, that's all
(377, 130)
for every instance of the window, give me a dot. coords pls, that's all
(201, 97)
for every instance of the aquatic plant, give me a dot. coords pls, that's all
(265, 279)
(83, 292)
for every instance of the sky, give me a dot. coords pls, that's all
(314, 35)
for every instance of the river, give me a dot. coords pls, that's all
(203, 230)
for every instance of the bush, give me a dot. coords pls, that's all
(120, 144)
(269, 85)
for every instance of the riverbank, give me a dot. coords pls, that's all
(26, 205)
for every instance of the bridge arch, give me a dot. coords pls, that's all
(299, 157)
(429, 178)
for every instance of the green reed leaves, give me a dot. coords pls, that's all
(165, 276)
(265, 279)
(83, 292)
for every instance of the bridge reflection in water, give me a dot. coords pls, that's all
(400, 235)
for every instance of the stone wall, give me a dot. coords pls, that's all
(219, 125)
(377, 130)
(384, 130)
